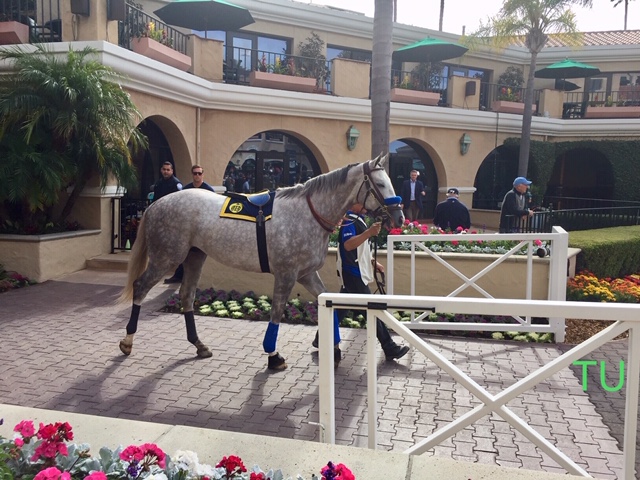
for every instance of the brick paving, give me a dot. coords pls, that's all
(60, 351)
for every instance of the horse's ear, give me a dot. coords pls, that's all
(383, 159)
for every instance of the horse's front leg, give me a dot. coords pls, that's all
(281, 291)
(192, 269)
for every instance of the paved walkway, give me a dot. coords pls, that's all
(60, 352)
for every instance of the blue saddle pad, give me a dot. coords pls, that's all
(247, 206)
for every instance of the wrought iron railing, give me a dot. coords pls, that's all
(42, 16)
(577, 103)
(137, 24)
(125, 218)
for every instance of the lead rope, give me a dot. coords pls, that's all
(377, 275)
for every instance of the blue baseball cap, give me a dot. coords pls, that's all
(521, 181)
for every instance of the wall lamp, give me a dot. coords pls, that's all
(465, 142)
(352, 137)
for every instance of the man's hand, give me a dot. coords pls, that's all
(374, 229)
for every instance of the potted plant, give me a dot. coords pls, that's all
(510, 92)
(281, 75)
(408, 91)
(155, 43)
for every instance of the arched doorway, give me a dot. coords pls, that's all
(269, 160)
(148, 161)
(407, 155)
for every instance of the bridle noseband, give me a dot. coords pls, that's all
(385, 205)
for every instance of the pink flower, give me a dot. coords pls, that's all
(25, 428)
(459, 229)
(52, 473)
(19, 442)
(96, 476)
(537, 243)
(132, 454)
(454, 242)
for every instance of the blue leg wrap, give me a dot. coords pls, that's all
(270, 337)
(336, 328)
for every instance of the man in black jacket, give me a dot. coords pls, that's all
(452, 213)
(167, 184)
(515, 207)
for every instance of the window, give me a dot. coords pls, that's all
(334, 51)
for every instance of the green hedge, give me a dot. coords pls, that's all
(608, 252)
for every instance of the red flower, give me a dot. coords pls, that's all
(232, 465)
(257, 476)
(96, 476)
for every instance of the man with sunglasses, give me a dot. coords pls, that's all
(198, 179)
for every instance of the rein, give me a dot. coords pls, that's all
(383, 211)
(324, 223)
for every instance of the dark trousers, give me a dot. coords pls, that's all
(354, 284)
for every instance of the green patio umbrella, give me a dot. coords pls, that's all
(429, 49)
(204, 15)
(567, 69)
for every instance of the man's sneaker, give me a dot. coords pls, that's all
(314, 344)
(395, 352)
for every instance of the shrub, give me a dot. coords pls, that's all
(608, 252)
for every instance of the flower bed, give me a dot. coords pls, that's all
(11, 280)
(45, 455)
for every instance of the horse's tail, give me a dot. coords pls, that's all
(137, 263)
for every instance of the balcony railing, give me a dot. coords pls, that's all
(137, 23)
(43, 17)
(490, 92)
(576, 104)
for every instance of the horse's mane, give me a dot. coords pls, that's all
(326, 182)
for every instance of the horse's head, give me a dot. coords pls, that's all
(379, 196)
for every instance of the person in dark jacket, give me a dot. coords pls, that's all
(412, 193)
(167, 184)
(452, 213)
(198, 179)
(515, 207)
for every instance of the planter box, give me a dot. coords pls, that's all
(13, 32)
(282, 82)
(612, 112)
(157, 51)
(43, 257)
(404, 95)
(504, 106)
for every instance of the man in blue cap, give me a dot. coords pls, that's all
(515, 208)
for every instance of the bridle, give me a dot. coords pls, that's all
(385, 205)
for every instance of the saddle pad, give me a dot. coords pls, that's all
(238, 206)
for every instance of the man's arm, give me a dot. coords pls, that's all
(354, 242)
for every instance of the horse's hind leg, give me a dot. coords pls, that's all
(192, 269)
(283, 286)
(141, 287)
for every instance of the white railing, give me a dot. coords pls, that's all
(558, 243)
(627, 317)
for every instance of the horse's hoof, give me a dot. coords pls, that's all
(126, 347)
(203, 351)
(276, 362)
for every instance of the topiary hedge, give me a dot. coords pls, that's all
(608, 252)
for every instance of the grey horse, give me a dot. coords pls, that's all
(184, 227)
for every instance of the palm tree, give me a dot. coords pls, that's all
(533, 20)
(381, 77)
(626, 9)
(88, 118)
